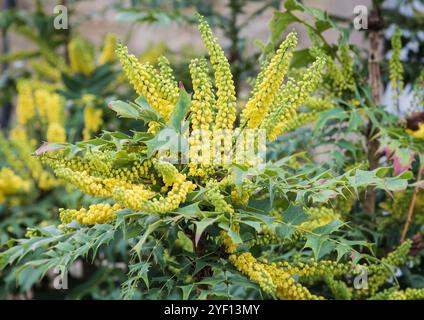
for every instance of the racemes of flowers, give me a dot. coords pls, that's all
(203, 229)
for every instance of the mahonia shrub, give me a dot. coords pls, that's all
(199, 210)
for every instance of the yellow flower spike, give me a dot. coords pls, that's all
(201, 109)
(18, 133)
(55, 105)
(169, 84)
(95, 186)
(41, 97)
(272, 279)
(258, 105)
(81, 56)
(98, 164)
(45, 69)
(56, 133)
(25, 107)
(216, 198)
(293, 95)
(203, 98)
(396, 67)
(109, 47)
(169, 173)
(132, 198)
(145, 80)
(96, 214)
(92, 121)
(174, 198)
(226, 95)
(12, 184)
(347, 67)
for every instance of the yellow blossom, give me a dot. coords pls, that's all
(25, 108)
(56, 133)
(258, 105)
(226, 96)
(109, 47)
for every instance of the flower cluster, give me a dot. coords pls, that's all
(226, 95)
(11, 184)
(396, 67)
(396, 294)
(271, 278)
(291, 97)
(56, 133)
(202, 110)
(81, 56)
(39, 101)
(167, 79)
(257, 107)
(96, 213)
(109, 47)
(339, 76)
(92, 121)
(25, 107)
(216, 197)
(146, 81)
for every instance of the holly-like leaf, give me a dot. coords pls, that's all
(186, 290)
(146, 112)
(320, 245)
(293, 216)
(329, 228)
(125, 110)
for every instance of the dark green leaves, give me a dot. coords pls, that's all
(320, 245)
(319, 239)
(201, 226)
